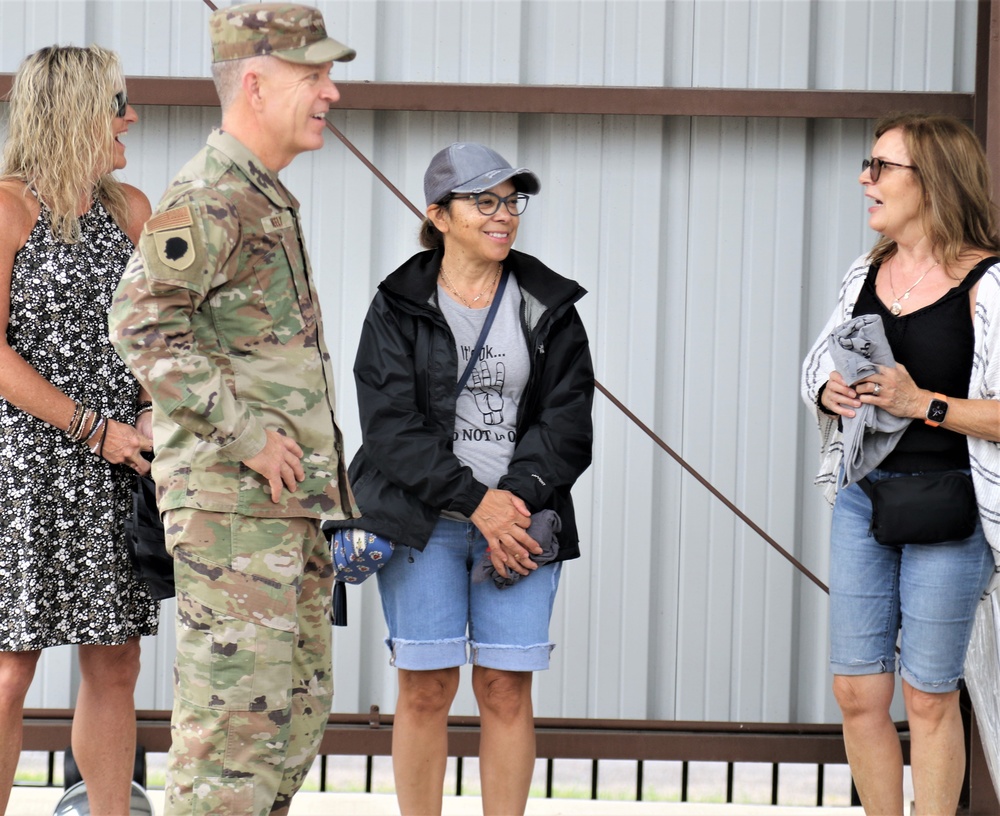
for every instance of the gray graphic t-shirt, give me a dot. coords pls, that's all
(486, 413)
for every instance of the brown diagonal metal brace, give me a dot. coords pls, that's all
(614, 400)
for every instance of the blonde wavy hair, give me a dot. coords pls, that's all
(950, 166)
(60, 138)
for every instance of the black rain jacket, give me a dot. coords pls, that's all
(406, 368)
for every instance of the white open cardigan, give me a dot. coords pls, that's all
(984, 456)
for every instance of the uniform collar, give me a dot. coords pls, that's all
(253, 168)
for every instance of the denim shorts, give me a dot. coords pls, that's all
(434, 610)
(927, 591)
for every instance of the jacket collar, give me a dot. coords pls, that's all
(253, 168)
(416, 279)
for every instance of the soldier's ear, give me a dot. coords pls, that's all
(251, 88)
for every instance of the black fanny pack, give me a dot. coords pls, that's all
(930, 508)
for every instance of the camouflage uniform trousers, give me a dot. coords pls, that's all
(252, 679)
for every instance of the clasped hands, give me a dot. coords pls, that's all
(503, 519)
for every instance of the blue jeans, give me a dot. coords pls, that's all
(434, 610)
(928, 591)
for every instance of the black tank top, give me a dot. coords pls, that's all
(936, 344)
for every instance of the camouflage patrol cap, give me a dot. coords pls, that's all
(293, 33)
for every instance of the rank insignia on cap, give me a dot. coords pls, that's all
(171, 232)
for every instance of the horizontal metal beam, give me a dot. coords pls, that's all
(581, 100)
(371, 735)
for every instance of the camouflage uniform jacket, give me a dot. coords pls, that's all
(218, 318)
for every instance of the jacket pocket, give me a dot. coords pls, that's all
(279, 295)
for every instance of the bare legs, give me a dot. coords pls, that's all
(872, 743)
(104, 724)
(507, 741)
(937, 749)
(420, 738)
(16, 671)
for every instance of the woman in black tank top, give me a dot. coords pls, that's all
(932, 279)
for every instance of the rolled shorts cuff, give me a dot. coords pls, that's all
(426, 655)
(942, 687)
(511, 658)
(860, 669)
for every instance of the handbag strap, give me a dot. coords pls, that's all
(482, 335)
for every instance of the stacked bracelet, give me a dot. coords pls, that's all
(142, 408)
(82, 424)
(74, 423)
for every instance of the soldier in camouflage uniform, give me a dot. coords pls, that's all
(218, 317)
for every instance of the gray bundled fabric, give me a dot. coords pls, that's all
(544, 526)
(858, 347)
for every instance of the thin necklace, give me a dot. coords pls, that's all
(897, 307)
(468, 304)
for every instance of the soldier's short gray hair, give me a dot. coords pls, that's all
(228, 77)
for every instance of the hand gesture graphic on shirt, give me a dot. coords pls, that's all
(487, 388)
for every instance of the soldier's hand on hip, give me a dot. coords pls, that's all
(280, 462)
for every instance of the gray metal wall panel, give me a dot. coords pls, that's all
(712, 250)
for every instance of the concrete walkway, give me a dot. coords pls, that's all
(42, 802)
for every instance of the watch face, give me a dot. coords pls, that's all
(937, 410)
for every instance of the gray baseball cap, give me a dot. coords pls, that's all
(467, 167)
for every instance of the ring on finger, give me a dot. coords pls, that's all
(877, 389)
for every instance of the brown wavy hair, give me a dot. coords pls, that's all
(957, 211)
(60, 132)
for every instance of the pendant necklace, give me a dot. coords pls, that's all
(897, 306)
(456, 293)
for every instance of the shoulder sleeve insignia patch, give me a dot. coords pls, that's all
(171, 233)
(175, 248)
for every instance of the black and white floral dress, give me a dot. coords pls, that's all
(65, 574)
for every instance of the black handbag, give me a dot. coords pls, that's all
(929, 508)
(147, 546)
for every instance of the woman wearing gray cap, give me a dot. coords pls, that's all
(459, 450)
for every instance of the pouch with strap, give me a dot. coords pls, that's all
(928, 508)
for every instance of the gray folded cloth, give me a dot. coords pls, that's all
(858, 347)
(544, 526)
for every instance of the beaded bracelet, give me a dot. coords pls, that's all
(75, 420)
(142, 408)
(86, 421)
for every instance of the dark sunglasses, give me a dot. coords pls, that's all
(120, 104)
(874, 166)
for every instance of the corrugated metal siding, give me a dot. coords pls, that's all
(712, 249)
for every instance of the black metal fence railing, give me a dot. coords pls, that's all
(646, 743)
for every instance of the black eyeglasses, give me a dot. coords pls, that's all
(489, 203)
(874, 166)
(119, 104)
